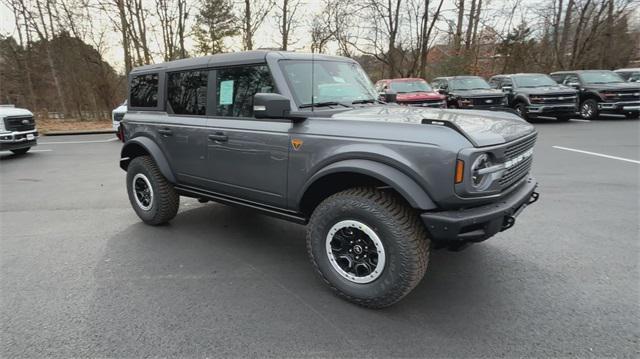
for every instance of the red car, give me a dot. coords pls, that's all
(411, 92)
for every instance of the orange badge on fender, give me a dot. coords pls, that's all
(296, 143)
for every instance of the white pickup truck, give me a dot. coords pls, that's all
(18, 131)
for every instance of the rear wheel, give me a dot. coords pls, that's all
(589, 109)
(369, 246)
(21, 151)
(152, 197)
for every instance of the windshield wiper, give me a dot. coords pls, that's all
(370, 100)
(323, 104)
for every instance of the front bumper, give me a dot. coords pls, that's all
(552, 110)
(621, 108)
(17, 140)
(479, 223)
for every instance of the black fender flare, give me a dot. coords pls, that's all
(143, 145)
(411, 191)
(520, 98)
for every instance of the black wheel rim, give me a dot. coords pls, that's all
(142, 191)
(355, 251)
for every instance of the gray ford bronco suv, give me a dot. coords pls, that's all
(305, 138)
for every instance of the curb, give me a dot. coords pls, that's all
(68, 133)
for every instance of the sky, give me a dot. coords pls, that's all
(268, 36)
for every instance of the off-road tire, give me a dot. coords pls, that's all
(21, 151)
(403, 237)
(165, 200)
(593, 104)
(521, 110)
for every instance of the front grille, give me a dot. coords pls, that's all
(487, 101)
(556, 99)
(622, 95)
(520, 169)
(429, 103)
(22, 123)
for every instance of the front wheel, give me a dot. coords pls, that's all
(152, 197)
(368, 245)
(589, 109)
(21, 151)
(521, 110)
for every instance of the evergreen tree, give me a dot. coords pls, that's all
(214, 23)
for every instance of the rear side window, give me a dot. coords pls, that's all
(144, 91)
(236, 86)
(187, 92)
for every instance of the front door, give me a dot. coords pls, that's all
(246, 158)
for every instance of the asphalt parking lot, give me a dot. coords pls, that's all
(81, 276)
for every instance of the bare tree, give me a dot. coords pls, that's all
(288, 20)
(254, 13)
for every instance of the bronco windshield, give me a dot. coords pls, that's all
(334, 82)
(469, 83)
(534, 80)
(601, 77)
(410, 86)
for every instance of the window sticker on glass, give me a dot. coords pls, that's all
(226, 93)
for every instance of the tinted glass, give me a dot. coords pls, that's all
(410, 86)
(334, 81)
(144, 91)
(534, 80)
(601, 77)
(469, 83)
(236, 87)
(187, 92)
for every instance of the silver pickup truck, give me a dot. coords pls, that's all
(18, 131)
(306, 138)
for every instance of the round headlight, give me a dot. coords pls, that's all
(480, 181)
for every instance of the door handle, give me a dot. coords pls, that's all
(165, 132)
(219, 137)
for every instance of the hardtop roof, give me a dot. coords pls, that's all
(233, 58)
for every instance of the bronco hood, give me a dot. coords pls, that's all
(482, 128)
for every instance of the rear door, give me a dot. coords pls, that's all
(246, 158)
(183, 132)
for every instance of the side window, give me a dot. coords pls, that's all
(494, 83)
(187, 92)
(444, 84)
(571, 79)
(236, 86)
(144, 91)
(435, 84)
(506, 82)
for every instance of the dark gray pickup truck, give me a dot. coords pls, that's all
(305, 138)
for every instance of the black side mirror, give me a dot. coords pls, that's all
(442, 91)
(574, 84)
(507, 89)
(271, 105)
(390, 97)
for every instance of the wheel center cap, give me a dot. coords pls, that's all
(357, 249)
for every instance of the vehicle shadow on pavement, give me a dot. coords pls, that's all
(8, 156)
(233, 282)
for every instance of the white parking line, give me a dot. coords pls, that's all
(77, 142)
(596, 154)
(579, 120)
(40, 150)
